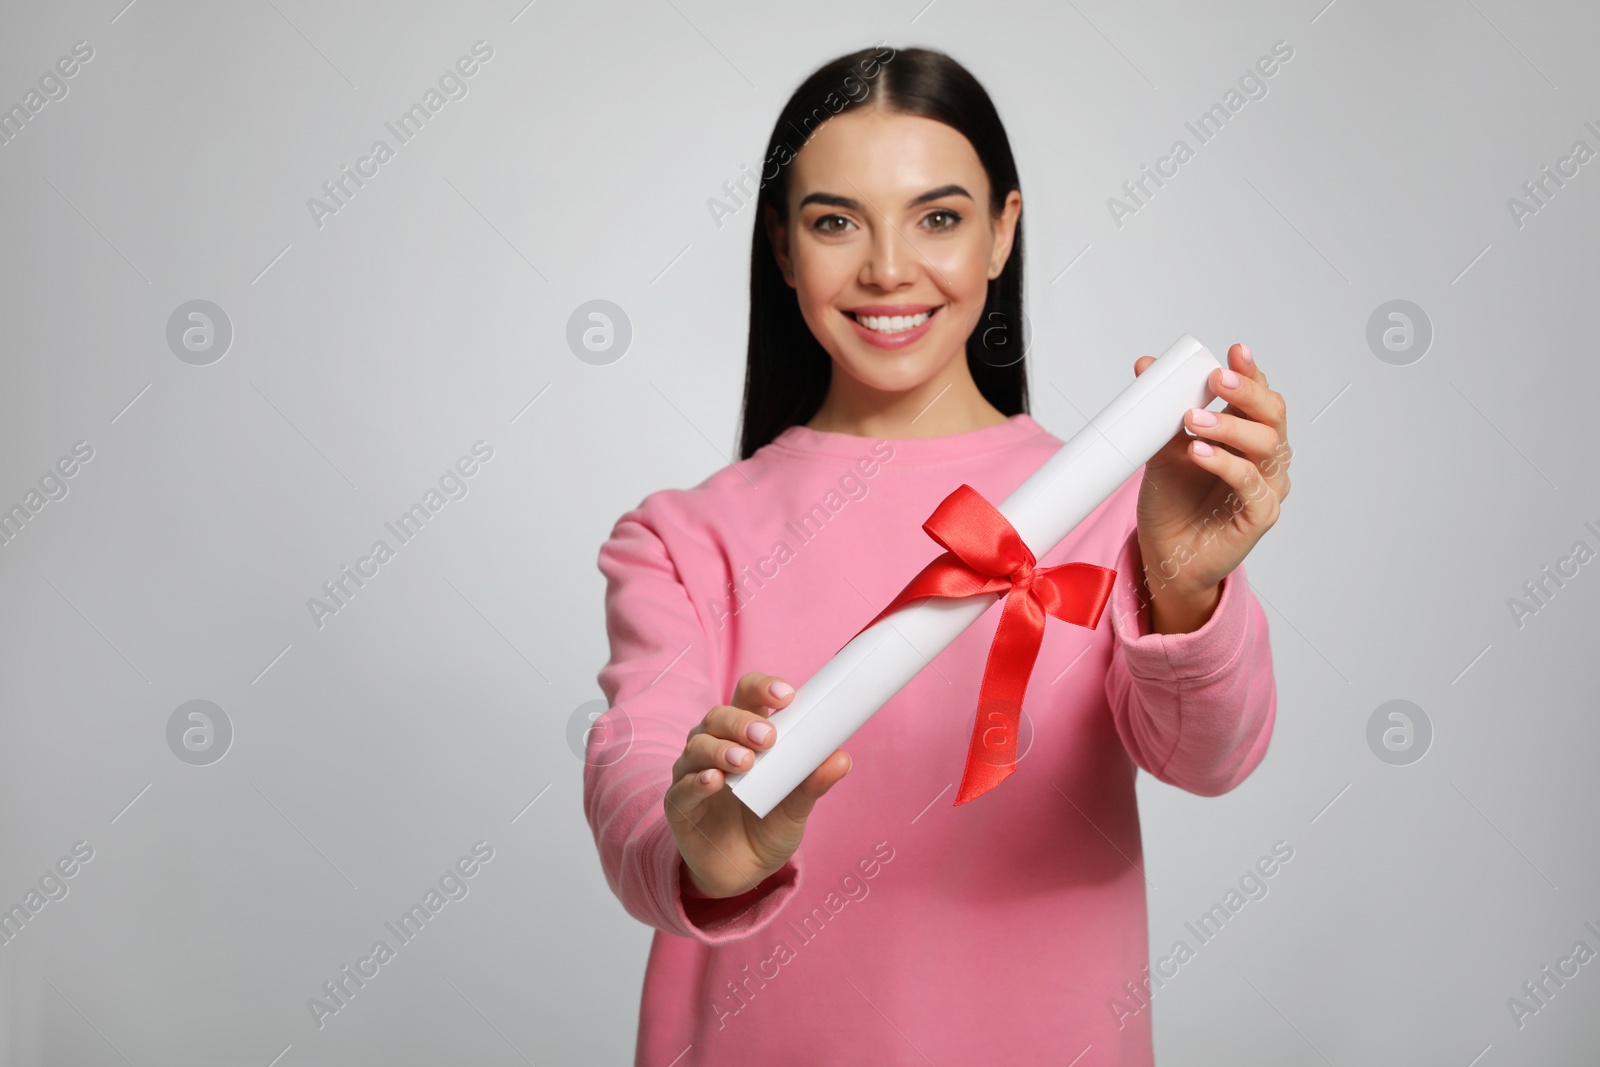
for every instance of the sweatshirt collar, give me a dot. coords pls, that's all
(802, 440)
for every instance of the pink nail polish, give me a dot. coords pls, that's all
(1230, 378)
(758, 732)
(1244, 353)
(1202, 449)
(779, 690)
(1202, 417)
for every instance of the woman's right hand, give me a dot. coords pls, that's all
(726, 848)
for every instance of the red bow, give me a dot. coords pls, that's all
(986, 555)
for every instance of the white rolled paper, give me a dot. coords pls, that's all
(847, 690)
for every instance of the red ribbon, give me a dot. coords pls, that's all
(985, 554)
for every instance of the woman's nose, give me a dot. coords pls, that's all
(890, 260)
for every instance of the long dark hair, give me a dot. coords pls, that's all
(788, 371)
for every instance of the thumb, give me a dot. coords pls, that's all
(796, 807)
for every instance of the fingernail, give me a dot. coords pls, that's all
(758, 732)
(738, 755)
(1202, 449)
(1244, 353)
(1202, 417)
(705, 775)
(1230, 378)
(779, 690)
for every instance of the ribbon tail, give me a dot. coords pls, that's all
(992, 752)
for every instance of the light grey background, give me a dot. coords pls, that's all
(431, 312)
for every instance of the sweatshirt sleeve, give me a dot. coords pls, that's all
(659, 683)
(1195, 709)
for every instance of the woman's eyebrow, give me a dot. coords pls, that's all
(846, 202)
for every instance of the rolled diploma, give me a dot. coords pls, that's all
(847, 690)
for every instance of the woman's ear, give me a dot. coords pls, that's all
(778, 237)
(1005, 230)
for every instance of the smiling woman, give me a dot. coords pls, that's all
(898, 229)
(878, 250)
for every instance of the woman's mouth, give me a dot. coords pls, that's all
(892, 330)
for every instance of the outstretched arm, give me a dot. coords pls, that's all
(1193, 709)
(660, 683)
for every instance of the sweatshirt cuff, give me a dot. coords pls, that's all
(1176, 657)
(723, 919)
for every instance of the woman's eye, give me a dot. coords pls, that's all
(822, 224)
(950, 217)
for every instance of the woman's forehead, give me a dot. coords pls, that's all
(887, 153)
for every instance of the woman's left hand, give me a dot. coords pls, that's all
(1206, 500)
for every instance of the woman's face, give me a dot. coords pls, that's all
(890, 245)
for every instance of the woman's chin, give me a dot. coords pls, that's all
(916, 361)
(890, 372)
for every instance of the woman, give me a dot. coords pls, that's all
(883, 372)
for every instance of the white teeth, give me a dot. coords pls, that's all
(893, 323)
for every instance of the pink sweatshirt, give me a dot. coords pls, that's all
(905, 930)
